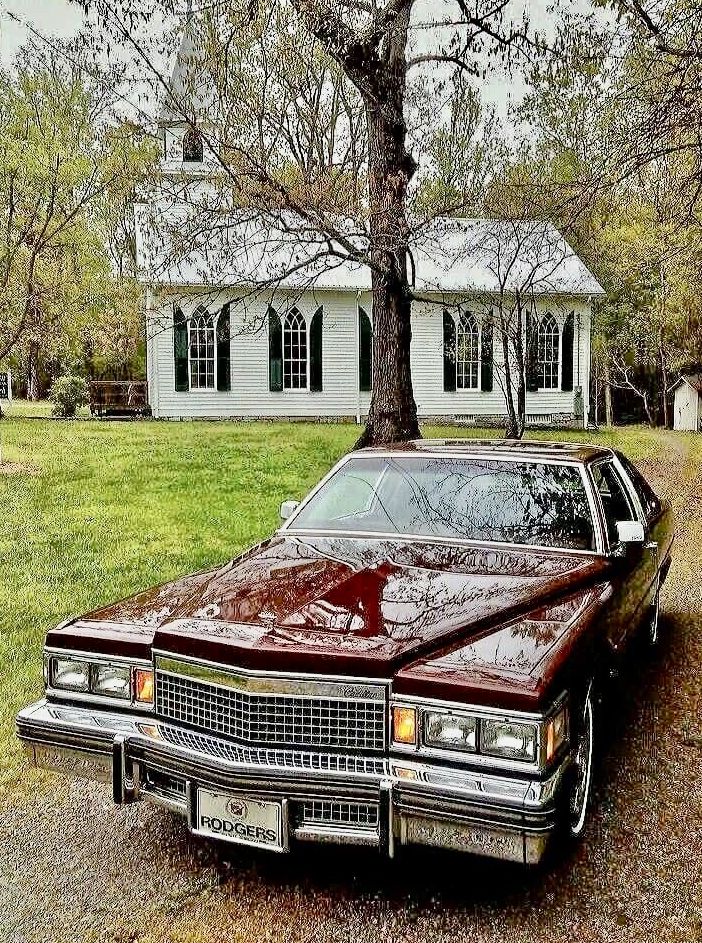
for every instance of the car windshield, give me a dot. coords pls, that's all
(531, 503)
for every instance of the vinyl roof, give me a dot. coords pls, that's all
(495, 448)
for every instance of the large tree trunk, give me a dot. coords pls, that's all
(393, 412)
(512, 424)
(376, 62)
(521, 361)
(33, 389)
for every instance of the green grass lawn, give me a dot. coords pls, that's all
(20, 408)
(94, 511)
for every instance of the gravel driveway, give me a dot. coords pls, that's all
(74, 868)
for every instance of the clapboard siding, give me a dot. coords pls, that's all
(251, 397)
(427, 367)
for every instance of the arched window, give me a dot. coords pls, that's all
(192, 146)
(294, 351)
(547, 353)
(201, 350)
(467, 352)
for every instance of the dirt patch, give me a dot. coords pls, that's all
(15, 468)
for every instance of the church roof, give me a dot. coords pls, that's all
(475, 256)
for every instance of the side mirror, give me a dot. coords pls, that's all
(288, 508)
(630, 532)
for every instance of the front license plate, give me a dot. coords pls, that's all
(242, 819)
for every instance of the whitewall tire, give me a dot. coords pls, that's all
(581, 782)
(652, 626)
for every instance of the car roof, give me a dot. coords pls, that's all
(522, 448)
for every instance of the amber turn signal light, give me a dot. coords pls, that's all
(556, 733)
(404, 725)
(144, 686)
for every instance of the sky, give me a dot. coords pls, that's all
(62, 18)
(55, 17)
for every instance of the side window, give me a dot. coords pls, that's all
(645, 493)
(615, 501)
(355, 498)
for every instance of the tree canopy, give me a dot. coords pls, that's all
(68, 173)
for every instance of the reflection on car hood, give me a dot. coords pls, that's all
(343, 605)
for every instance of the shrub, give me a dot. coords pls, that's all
(67, 394)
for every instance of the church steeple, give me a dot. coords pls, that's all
(190, 101)
(191, 96)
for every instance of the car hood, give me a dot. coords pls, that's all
(339, 605)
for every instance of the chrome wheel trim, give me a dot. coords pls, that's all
(653, 622)
(580, 792)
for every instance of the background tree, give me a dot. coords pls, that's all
(586, 164)
(66, 173)
(659, 91)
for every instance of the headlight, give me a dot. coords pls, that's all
(69, 674)
(112, 681)
(104, 679)
(506, 738)
(450, 731)
(513, 740)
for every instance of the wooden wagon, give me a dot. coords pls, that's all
(119, 398)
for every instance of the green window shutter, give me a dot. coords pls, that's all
(365, 352)
(316, 330)
(180, 350)
(224, 375)
(449, 353)
(532, 380)
(486, 353)
(567, 353)
(275, 352)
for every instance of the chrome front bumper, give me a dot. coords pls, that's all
(338, 797)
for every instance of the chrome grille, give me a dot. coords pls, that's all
(333, 812)
(291, 720)
(261, 756)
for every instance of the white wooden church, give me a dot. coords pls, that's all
(240, 326)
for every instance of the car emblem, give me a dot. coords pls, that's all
(236, 807)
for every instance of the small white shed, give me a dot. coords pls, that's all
(687, 408)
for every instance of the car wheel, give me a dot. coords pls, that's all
(652, 633)
(581, 771)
